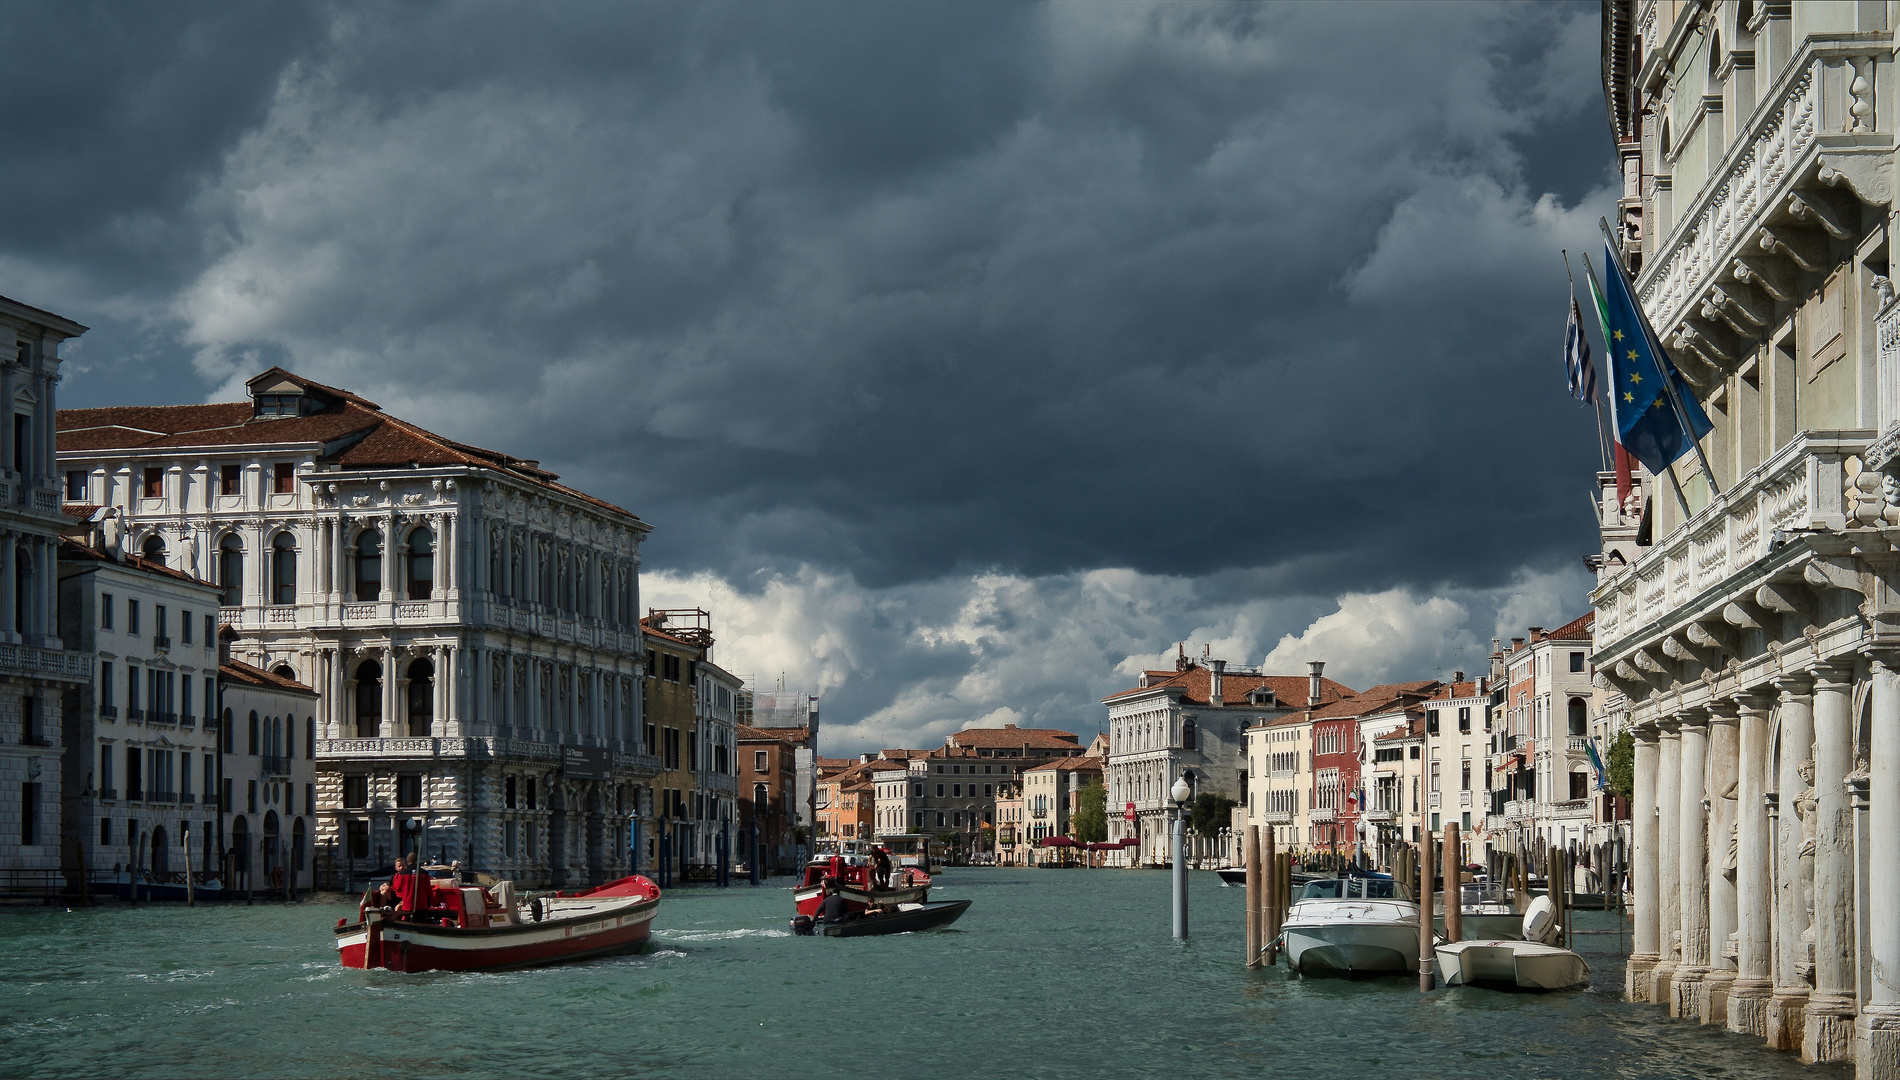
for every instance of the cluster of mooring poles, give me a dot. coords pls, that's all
(1269, 894)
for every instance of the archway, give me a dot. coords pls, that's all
(296, 845)
(1579, 717)
(421, 699)
(240, 845)
(153, 550)
(369, 700)
(161, 862)
(273, 857)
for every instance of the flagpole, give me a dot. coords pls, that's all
(1603, 446)
(1670, 467)
(1655, 346)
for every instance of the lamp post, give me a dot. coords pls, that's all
(1180, 793)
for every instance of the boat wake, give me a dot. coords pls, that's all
(718, 935)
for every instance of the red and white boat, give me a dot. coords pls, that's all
(909, 885)
(472, 929)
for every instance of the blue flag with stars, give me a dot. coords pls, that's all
(1646, 425)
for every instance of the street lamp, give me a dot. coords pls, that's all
(1180, 793)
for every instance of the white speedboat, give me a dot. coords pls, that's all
(1484, 912)
(1514, 964)
(1352, 926)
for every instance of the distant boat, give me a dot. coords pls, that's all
(1352, 926)
(1483, 912)
(153, 887)
(474, 929)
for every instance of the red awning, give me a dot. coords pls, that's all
(1056, 841)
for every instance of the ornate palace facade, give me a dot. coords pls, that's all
(470, 623)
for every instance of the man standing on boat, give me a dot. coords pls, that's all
(881, 867)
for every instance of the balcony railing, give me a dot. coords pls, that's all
(161, 718)
(108, 712)
(1579, 744)
(1323, 813)
(33, 660)
(275, 765)
(109, 794)
(133, 712)
(1805, 485)
(161, 796)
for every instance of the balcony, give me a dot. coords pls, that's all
(109, 794)
(187, 798)
(33, 661)
(1322, 814)
(1464, 798)
(1432, 800)
(1380, 816)
(135, 714)
(161, 796)
(1279, 817)
(275, 765)
(1579, 745)
(1769, 206)
(163, 718)
(161, 641)
(108, 712)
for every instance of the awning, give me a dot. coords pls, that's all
(1056, 841)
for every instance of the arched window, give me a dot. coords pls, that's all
(1579, 716)
(251, 745)
(421, 564)
(283, 569)
(231, 570)
(284, 671)
(421, 699)
(153, 550)
(290, 736)
(369, 565)
(369, 700)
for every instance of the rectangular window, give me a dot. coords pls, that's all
(132, 711)
(1464, 720)
(105, 689)
(159, 623)
(250, 787)
(531, 805)
(184, 701)
(209, 759)
(357, 831)
(105, 611)
(154, 483)
(356, 792)
(939, 791)
(29, 814)
(105, 831)
(184, 626)
(758, 761)
(409, 790)
(76, 486)
(283, 478)
(131, 616)
(1576, 662)
(230, 479)
(134, 773)
(22, 443)
(184, 774)
(211, 700)
(211, 637)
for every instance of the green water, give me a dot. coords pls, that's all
(1050, 974)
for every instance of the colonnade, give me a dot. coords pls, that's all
(1760, 817)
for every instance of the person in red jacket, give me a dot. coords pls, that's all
(411, 888)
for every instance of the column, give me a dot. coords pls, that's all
(1693, 860)
(439, 691)
(389, 728)
(1712, 1003)
(340, 563)
(1754, 969)
(9, 578)
(1668, 860)
(1829, 1030)
(1796, 721)
(1878, 1052)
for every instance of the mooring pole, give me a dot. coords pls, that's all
(1425, 875)
(1251, 857)
(1454, 895)
(1271, 877)
(1179, 862)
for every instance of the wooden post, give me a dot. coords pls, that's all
(1251, 857)
(1454, 901)
(191, 898)
(1426, 957)
(1553, 888)
(1270, 877)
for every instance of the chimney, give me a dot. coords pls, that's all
(1536, 632)
(1517, 643)
(1457, 677)
(1312, 687)
(1216, 668)
(1483, 685)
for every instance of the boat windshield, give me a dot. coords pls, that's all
(1353, 889)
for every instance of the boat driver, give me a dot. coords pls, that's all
(881, 868)
(833, 908)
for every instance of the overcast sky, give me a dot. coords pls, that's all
(966, 357)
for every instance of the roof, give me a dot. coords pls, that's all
(1073, 763)
(1197, 684)
(748, 733)
(1414, 728)
(1377, 699)
(240, 672)
(348, 432)
(1581, 628)
(1009, 735)
(28, 313)
(792, 735)
(648, 631)
(1449, 691)
(73, 552)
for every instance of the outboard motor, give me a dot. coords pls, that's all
(1540, 921)
(802, 926)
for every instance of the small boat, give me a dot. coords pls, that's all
(905, 919)
(1352, 926)
(909, 885)
(171, 887)
(475, 929)
(1484, 912)
(1532, 964)
(1232, 875)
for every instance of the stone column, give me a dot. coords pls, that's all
(1829, 1031)
(1692, 856)
(1748, 996)
(438, 690)
(389, 728)
(1668, 861)
(390, 584)
(1643, 853)
(1878, 1052)
(1796, 721)
(1712, 1004)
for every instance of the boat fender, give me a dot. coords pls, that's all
(534, 908)
(1540, 920)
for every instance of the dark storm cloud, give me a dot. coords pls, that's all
(1263, 298)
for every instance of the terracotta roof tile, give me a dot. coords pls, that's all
(1376, 699)
(1003, 737)
(73, 551)
(1073, 763)
(1197, 684)
(239, 671)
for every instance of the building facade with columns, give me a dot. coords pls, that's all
(463, 615)
(1752, 640)
(38, 677)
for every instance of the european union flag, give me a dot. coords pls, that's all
(1646, 425)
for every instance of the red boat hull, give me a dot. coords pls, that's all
(617, 918)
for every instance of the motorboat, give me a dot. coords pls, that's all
(1531, 963)
(474, 929)
(901, 919)
(856, 883)
(1484, 912)
(1352, 926)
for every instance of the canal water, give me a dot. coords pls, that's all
(1051, 973)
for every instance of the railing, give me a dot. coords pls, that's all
(187, 720)
(1808, 112)
(108, 712)
(1432, 800)
(46, 500)
(33, 660)
(1579, 744)
(161, 796)
(229, 616)
(109, 794)
(1380, 814)
(161, 641)
(1806, 484)
(275, 765)
(1464, 798)
(187, 797)
(1322, 813)
(1279, 817)
(133, 712)
(161, 718)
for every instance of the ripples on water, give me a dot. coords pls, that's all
(1051, 974)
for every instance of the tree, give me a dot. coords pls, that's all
(1622, 765)
(1090, 823)
(1211, 814)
